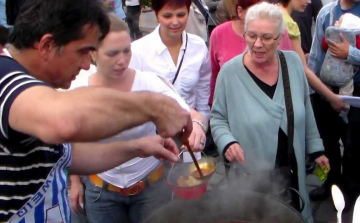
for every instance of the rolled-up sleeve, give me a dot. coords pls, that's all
(354, 56)
(202, 88)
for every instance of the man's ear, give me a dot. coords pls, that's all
(46, 46)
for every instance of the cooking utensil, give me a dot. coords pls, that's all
(356, 215)
(186, 143)
(207, 166)
(339, 201)
(227, 206)
(185, 169)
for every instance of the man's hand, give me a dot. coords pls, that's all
(197, 138)
(235, 154)
(170, 118)
(76, 195)
(339, 50)
(323, 160)
(163, 149)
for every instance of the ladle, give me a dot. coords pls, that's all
(186, 143)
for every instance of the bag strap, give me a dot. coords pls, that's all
(179, 68)
(203, 11)
(288, 104)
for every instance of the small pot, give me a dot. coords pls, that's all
(185, 169)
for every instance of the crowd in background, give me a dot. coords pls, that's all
(253, 77)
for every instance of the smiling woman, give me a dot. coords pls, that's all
(179, 57)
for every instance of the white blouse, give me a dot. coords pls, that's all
(136, 169)
(193, 83)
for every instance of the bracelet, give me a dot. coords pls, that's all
(201, 124)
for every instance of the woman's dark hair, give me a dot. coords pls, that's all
(245, 4)
(4, 35)
(157, 5)
(64, 19)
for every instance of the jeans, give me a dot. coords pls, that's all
(111, 207)
(132, 19)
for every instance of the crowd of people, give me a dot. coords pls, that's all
(93, 113)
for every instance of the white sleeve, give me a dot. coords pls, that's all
(202, 88)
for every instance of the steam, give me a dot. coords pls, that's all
(241, 200)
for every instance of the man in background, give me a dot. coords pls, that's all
(212, 6)
(197, 23)
(133, 12)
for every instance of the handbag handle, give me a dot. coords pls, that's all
(289, 105)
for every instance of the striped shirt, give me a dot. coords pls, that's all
(32, 173)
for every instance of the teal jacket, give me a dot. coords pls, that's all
(243, 113)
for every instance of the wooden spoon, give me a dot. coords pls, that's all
(186, 143)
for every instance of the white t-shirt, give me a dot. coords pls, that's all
(136, 169)
(132, 2)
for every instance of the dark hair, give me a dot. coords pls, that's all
(4, 35)
(157, 5)
(245, 4)
(285, 3)
(64, 19)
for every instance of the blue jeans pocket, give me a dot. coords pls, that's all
(92, 192)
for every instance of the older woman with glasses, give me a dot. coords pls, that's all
(262, 115)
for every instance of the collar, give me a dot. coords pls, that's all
(160, 46)
(6, 52)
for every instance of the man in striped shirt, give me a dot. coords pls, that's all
(49, 45)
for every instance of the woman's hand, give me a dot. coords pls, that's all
(235, 154)
(323, 160)
(338, 104)
(76, 195)
(197, 138)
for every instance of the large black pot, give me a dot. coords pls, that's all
(225, 206)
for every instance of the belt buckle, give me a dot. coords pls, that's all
(128, 191)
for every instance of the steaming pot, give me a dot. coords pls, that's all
(227, 206)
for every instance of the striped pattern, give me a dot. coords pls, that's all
(27, 165)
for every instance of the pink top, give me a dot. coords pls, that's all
(225, 44)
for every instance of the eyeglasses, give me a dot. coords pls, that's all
(265, 39)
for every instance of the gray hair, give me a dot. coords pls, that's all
(265, 10)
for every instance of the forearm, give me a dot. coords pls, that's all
(198, 116)
(311, 77)
(97, 113)
(318, 85)
(90, 158)
(75, 179)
